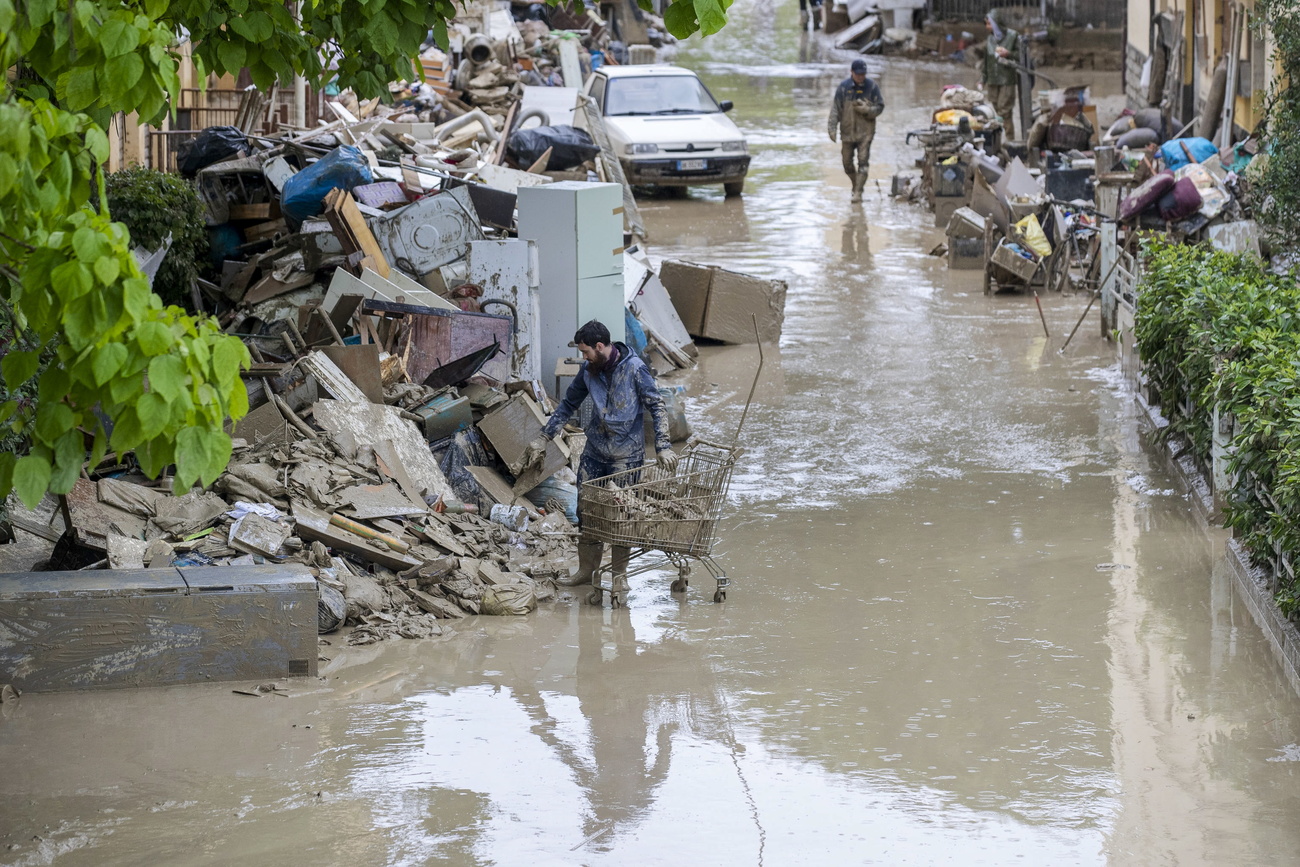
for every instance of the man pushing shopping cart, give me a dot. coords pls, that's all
(622, 390)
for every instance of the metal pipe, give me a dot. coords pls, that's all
(514, 311)
(529, 113)
(465, 120)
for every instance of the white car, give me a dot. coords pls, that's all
(667, 129)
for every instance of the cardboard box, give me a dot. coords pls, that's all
(688, 287)
(734, 301)
(721, 305)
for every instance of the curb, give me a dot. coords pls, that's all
(1251, 582)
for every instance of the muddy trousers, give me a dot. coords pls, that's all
(859, 151)
(1003, 99)
(590, 550)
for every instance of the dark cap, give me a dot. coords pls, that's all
(858, 66)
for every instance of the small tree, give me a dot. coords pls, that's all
(154, 205)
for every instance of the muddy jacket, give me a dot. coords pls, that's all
(619, 395)
(997, 74)
(854, 110)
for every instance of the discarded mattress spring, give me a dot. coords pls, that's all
(651, 508)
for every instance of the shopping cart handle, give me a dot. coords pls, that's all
(703, 442)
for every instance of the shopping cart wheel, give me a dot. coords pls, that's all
(719, 595)
(618, 600)
(680, 585)
(595, 597)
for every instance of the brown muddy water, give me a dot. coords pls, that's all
(971, 621)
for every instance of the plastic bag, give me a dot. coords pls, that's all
(505, 599)
(214, 144)
(570, 146)
(331, 609)
(1032, 236)
(304, 194)
(1175, 154)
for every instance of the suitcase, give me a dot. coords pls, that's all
(1181, 201)
(1146, 195)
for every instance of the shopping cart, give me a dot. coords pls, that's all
(649, 509)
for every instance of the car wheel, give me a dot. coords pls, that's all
(734, 189)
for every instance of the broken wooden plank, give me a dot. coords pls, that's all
(354, 234)
(314, 526)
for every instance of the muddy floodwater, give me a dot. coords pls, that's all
(972, 621)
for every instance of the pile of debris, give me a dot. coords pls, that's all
(1033, 214)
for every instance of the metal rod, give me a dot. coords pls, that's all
(1046, 333)
(1095, 293)
(753, 387)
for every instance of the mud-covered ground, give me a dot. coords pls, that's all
(971, 621)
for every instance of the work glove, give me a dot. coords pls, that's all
(832, 135)
(535, 453)
(667, 460)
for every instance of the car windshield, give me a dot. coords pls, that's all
(658, 94)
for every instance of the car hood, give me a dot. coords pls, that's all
(664, 129)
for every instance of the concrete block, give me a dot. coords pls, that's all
(156, 627)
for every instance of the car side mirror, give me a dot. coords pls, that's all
(726, 105)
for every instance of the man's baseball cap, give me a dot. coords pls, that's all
(858, 66)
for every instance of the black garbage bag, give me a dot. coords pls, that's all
(214, 144)
(571, 147)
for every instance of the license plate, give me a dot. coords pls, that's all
(692, 165)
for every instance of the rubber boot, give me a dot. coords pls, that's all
(859, 181)
(588, 562)
(817, 18)
(803, 19)
(618, 560)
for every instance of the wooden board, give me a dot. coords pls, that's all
(352, 231)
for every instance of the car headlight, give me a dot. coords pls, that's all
(641, 149)
(741, 146)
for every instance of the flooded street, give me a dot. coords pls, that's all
(971, 621)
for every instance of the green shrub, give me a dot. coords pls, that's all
(1213, 330)
(152, 204)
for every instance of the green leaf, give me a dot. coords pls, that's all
(712, 15)
(53, 420)
(117, 37)
(88, 244)
(124, 71)
(18, 366)
(108, 361)
(107, 270)
(154, 338)
(231, 55)
(79, 88)
(69, 458)
(154, 413)
(191, 456)
(167, 376)
(7, 461)
(679, 18)
(227, 357)
(31, 479)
